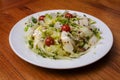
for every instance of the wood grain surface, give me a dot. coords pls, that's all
(14, 68)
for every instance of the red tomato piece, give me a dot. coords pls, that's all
(41, 17)
(49, 41)
(68, 15)
(65, 27)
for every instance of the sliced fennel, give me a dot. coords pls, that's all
(83, 34)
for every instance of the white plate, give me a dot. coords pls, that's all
(17, 43)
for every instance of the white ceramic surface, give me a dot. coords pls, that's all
(17, 43)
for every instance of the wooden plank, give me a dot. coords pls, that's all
(7, 70)
(14, 68)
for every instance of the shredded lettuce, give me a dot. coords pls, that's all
(80, 37)
(97, 33)
(91, 21)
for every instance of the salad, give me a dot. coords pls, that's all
(61, 35)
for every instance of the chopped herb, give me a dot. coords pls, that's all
(30, 42)
(34, 20)
(97, 33)
(26, 28)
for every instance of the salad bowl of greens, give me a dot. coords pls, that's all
(60, 39)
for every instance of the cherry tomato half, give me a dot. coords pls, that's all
(41, 17)
(68, 15)
(65, 27)
(49, 41)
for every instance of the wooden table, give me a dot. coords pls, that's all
(14, 68)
